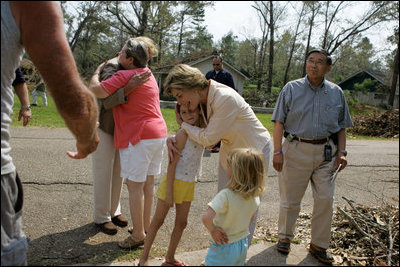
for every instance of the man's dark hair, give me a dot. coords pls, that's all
(218, 57)
(322, 51)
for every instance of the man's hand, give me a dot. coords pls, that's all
(341, 159)
(136, 81)
(26, 114)
(277, 162)
(85, 148)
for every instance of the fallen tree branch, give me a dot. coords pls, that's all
(367, 220)
(362, 232)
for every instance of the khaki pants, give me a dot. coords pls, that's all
(107, 182)
(304, 163)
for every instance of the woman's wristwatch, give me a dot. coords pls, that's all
(344, 152)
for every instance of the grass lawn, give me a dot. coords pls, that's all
(48, 117)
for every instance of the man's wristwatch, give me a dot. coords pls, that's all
(343, 151)
(28, 107)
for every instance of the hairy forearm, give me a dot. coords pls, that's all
(48, 48)
(22, 92)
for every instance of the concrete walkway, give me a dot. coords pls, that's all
(260, 254)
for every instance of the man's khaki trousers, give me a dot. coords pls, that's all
(304, 163)
(107, 182)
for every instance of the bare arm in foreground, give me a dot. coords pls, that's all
(46, 44)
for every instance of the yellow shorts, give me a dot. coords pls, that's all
(183, 191)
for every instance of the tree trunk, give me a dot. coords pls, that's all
(180, 36)
(271, 49)
(286, 76)
(313, 14)
(394, 78)
(144, 18)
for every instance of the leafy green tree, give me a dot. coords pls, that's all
(283, 46)
(201, 42)
(89, 34)
(228, 47)
(190, 18)
(352, 57)
(246, 57)
(338, 31)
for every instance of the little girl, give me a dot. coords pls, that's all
(177, 187)
(232, 210)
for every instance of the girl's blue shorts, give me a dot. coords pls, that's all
(232, 254)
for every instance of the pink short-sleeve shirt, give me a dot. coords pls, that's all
(140, 118)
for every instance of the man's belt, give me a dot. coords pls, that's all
(292, 137)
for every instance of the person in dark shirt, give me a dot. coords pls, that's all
(220, 75)
(21, 90)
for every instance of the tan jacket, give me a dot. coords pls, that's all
(231, 120)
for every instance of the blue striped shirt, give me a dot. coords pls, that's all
(312, 113)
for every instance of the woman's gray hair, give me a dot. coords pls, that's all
(139, 51)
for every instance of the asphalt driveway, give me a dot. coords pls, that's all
(58, 195)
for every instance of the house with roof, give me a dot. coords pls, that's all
(204, 64)
(378, 93)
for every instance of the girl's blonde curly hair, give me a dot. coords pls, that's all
(248, 171)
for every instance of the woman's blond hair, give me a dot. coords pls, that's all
(248, 171)
(182, 77)
(153, 51)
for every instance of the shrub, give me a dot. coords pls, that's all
(260, 98)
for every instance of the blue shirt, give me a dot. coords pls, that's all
(223, 76)
(312, 113)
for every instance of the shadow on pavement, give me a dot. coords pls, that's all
(70, 247)
(271, 257)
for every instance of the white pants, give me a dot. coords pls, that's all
(42, 94)
(223, 180)
(107, 182)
